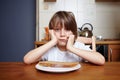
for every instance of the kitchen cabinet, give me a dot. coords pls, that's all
(113, 48)
(107, 0)
(114, 52)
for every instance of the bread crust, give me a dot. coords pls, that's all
(58, 64)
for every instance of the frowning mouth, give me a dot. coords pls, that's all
(63, 40)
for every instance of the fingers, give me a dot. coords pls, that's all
(70, 41)
(71, 38)
(50, 31)
(52, 35)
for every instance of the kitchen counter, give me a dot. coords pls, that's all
(98, 42)
(108, 41)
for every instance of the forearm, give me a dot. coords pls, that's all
(36, 54)
(91, 56)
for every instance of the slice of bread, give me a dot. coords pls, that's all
(58, 64)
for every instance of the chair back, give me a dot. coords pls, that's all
(88, 41)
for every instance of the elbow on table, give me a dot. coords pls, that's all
(27, 60)
(102, 61)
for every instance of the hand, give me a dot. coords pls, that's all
(52, 36)
(70, 42)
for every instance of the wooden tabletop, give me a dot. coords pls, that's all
(21, 71)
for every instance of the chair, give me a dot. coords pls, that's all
(88, 41)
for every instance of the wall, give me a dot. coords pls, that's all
(84, 11)
(108, 19)
(103, 16)
(17, 28)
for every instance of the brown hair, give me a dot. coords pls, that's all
(65, 19)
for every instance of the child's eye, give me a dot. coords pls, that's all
(57, 30)
(68, 30)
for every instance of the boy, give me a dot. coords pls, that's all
(62, 47)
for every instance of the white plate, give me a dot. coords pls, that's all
(56, 70)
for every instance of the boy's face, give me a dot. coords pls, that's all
(62, 35)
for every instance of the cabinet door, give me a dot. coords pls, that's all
(114, 52)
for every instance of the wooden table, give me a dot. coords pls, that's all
(21, 71)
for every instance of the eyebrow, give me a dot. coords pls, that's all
(57, 27)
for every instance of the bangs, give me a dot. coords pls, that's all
(58, 23)
(55, 21)
(61, 22)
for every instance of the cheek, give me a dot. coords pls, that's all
(57, 34)
(69, 33)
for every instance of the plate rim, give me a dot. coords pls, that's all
(57, 70)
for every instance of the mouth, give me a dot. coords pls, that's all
(63, 40)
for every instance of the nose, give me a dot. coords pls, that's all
(62, 33)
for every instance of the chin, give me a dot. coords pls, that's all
(62, 44)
